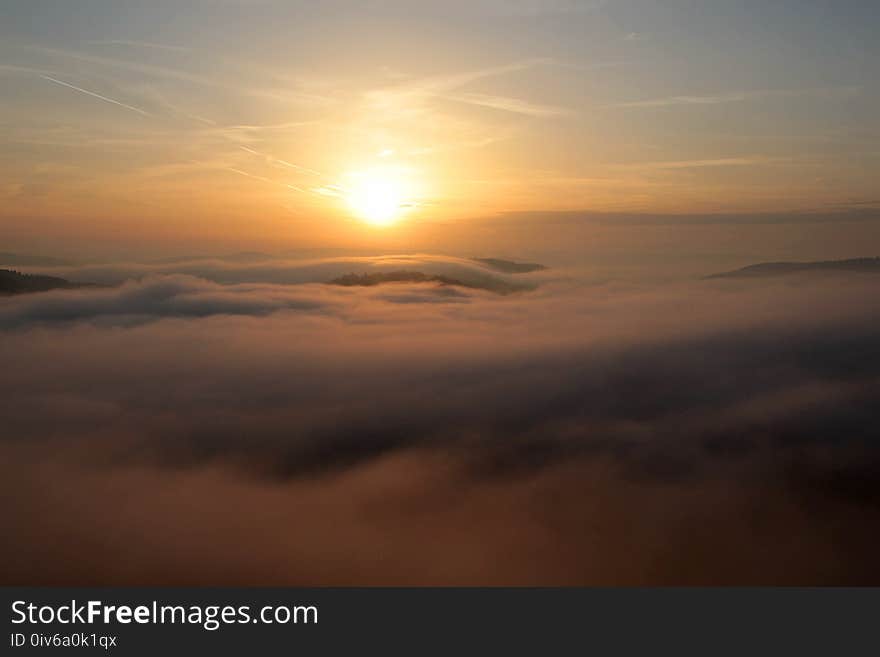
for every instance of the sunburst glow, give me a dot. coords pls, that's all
(379, 196)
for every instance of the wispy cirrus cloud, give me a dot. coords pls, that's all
(737, 97)
(529, 8)
(284, 163)
(715, 162)
(279, 92)
(139, 44)
(441, 85)
(256, 132)
(507, 104)
(267, 180)
(14, 69)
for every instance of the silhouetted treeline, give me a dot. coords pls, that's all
(14, 282)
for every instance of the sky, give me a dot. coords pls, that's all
(213, 125)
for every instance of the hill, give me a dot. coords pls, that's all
(764, 269)
(13, 282)
(489, 283)
(509, 266)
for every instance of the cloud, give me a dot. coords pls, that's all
(275, 91)
(155, 297)
(267, 180)
(704, 432)
(508, 104)
(128, 294)
(18, 70)
(442, 86)
(274, 160)
(807, 216)
(536, 7)
(756, 160)
(737, 97)
(140, 44)
(292, 272)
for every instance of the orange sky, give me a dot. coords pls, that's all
(251, 124)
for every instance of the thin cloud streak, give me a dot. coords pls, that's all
(506, 104)
(717, 162)
(439, 86)
(15, 69)
(450, 82)
(176, 74)
(281, 162)
(99, 96)
(267, 180)
(736, 97)
(139, 44)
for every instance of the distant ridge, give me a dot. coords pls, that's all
(509, 266)
(369, 279)
(13, 282)
(765, 269)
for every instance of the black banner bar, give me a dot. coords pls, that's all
(150, 621)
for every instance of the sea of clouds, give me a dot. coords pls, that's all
(216, 422)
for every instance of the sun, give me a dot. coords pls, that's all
(379, 196)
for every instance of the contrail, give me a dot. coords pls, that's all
(92, 93)
(267, 180)
(281, 162)
(244, 148)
